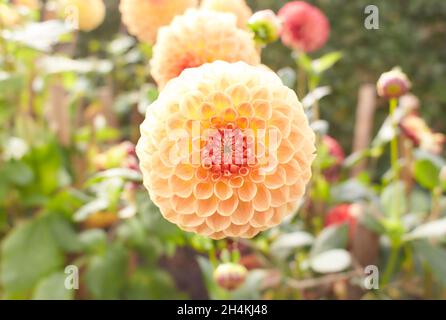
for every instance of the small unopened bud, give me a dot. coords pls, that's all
(393, 84)
(230, 276)
(266, 26)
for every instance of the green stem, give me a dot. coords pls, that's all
(391, 263)
(394, 142)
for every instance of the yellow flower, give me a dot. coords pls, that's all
(87, 14)
(143, 18)
(30, 4)
(8, 16)
(237, 7)
(198, 37)
(226, 150)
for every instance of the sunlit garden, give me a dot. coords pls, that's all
(222, 149)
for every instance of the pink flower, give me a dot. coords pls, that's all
(344, 213)
(337, 153)
(305, 27)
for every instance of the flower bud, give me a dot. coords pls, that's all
(393, 84)
(230, 276)
(266, 26)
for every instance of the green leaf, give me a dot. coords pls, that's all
(92, 207)
(105, 273)
(64, 234)
(432, 229)
(335, 260)
(426, 174)
(29, 253)
(19, 173)
(434, 257)
(53, 288)
(332, 237)
(327, 61)
(94, 240)
(152, 284)
(303, 61)
(286, 243)
(393, 199)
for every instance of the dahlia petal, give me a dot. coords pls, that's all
(228, 206)
(222, 190)
(179, 187)
(239, 94)
(221, 101)
(248, 191)
(292, 171)
(285, 152)
(183, 205)
(279, 196)
(203, 190)
(218, 222)
(235, 231)
(190, 220)
(262, 200)
(243, 213)
(185, 171)
(261, 219)
(277, 179)
(207, 207)
(262, 109)
(245, 110)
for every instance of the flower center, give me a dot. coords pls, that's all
(228, 152)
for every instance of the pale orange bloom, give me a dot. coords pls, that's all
(143, 18)
(198, 37)
(226, 150)
(89, 13)
(237, 7)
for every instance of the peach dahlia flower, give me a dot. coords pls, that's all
(226, 150)
(143, 18)
(237, 7)
(198, 37)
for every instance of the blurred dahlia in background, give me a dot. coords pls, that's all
(336, 152)
(89, 14)
(237, 7)
(416, 129)
(305, 27)
(344, 213)
(143, 18)
(197, 37)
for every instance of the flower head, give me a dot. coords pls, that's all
(266, 26)
(415, 128)
(143, 18)
(89, 14)
(197, 37)
(393, 84)
(226, 150)
(230, 276)
(305, 27)
(337, 153)
(344, 213)
(9, 17)
(237, 7)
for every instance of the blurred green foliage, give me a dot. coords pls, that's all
(412, 34)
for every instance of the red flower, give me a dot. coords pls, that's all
(305, 27)
(334, 150)
(344, 213)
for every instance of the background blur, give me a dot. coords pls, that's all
(52, 210)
